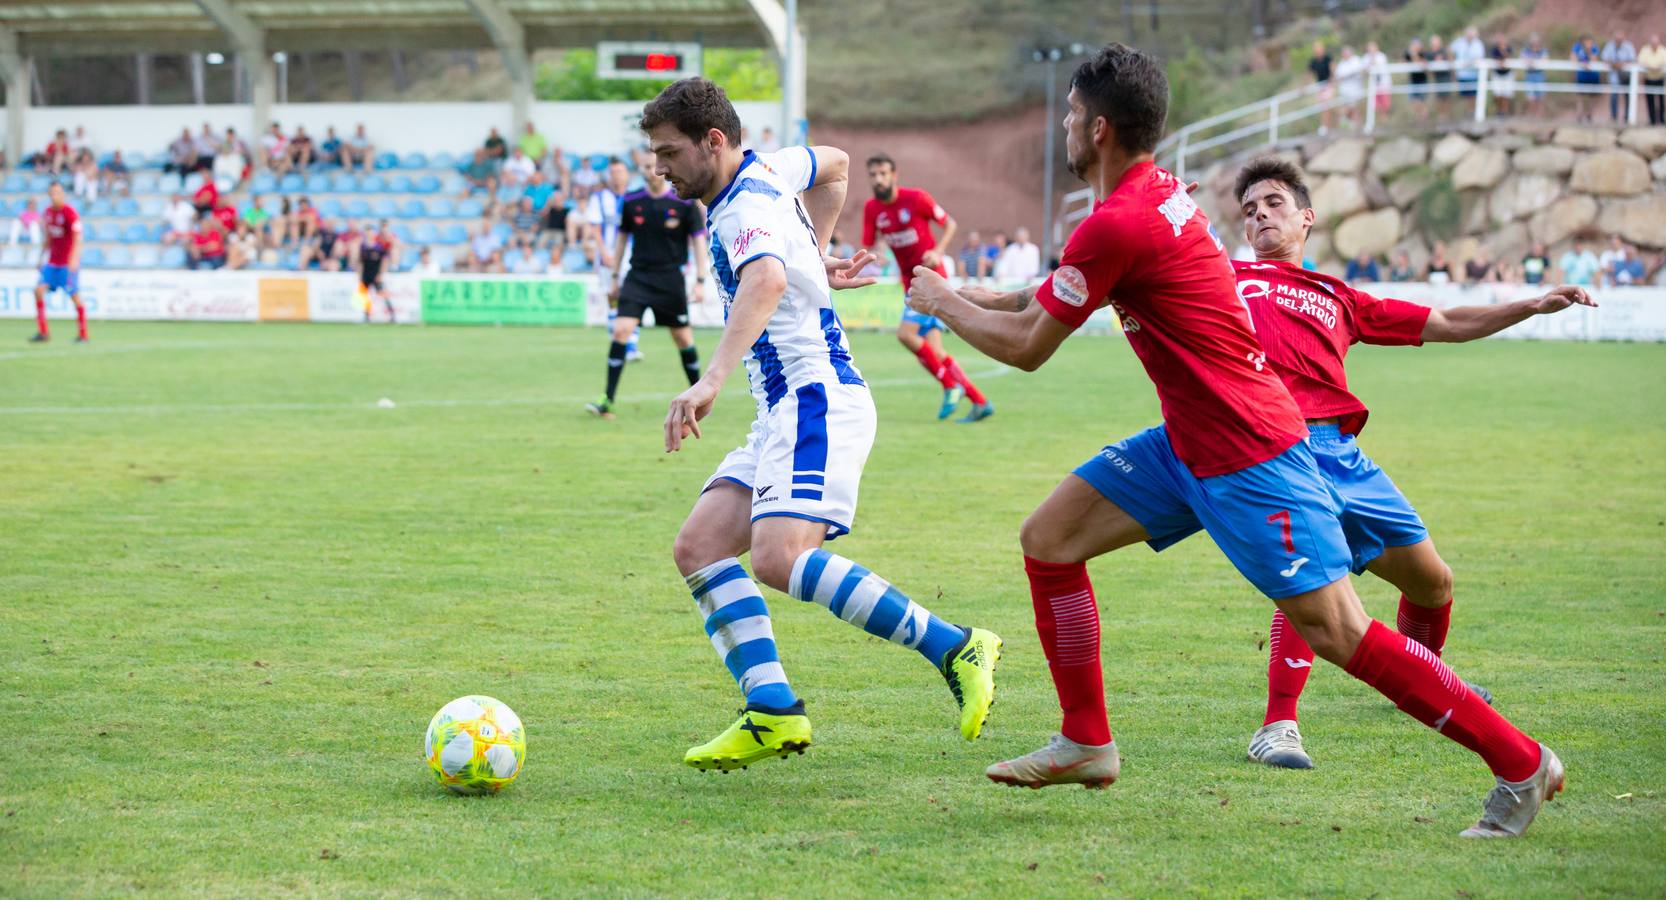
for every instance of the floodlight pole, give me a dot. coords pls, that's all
(14, 69)
(1051, 56)
(510, 39)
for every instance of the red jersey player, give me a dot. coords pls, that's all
(1230, 459)
(903, 217)
(1306, 321)
(61, 263)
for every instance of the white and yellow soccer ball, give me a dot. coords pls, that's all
(475, 745)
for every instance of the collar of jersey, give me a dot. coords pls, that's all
(746, 160)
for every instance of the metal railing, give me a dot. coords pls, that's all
(1295, 113)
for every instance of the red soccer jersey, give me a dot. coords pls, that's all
(1307, 321)
(227, 217)
(209, 242)
(906, 224)
(62, 226)
(1150, 252)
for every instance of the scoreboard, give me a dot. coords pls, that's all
(658, 60)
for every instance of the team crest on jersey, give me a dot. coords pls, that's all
(1070, 285)
(903, 215)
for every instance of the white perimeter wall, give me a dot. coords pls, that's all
(602, 127)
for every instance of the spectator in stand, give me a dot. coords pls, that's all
(1579, 265)
(1439, 270)
(1534, 55)
(207, 249)
(1619, 54)
(525, 220)
(767, 141)
(275, 147)
(358, 149)
(586, 180)
(495, 147)
(539, 190)
(208, 146)
(560, 222)
(79, 141)
(485, 252)
(207, 196)
(1378, 77)
(84, 176)
(1402, 270)
(480, 174)
(256, 221)
(225, 215)
(229, 166)
(518, 168)
(182, 154)
(26, 225)
(1362, 269)
(1350, 83)
(1501, 84)
(57, 157)
(1440, 75)
(528, 261)
(242, 248)
(1653, 60)
(300, 149)
(305, 224)
(532, 143)
(992, 252)
(1633, 271)
(1611, 261)
(1468, 55)
(115, 176)
(329, 149)
(1020, 262)
(1586, 54)
(1480, 268)
(319, 247)
(1535, 265)
(554, 166)
(426, 264)
(179, 220)
(1418, 78)
(1319, 66)
(970, 254)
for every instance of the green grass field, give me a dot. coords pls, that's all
(233, 590)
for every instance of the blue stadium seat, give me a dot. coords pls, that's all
(413, 209)
(192, 182)
(402, 232)
(470, 208)
(454, 234)
(387, 161)
(424, 233)
(39, 183)
(105, 232)
(441, 208)
(137, 233)
(152, 207)
(443, 161)
(169, 183)
(292, 184)
(598, 162)
(135, 161)
(16, 183)
(373, 184)
(99, 208)
(291, 259)
(413, 161)
(509, 194)
(385, 208)
(344, 183)
(263, 183)
(453, 183)
(512, 259)
(146, 257)
(7, 210)
(92, 257)
(118, 258)
(329, 207)
(444, 258)
(357, 208)
(503, 232)
(172, 258)
(573, 161)
(399, 184)
(144, 182)
(127, 207)
(427, 184)
(318, 183)
(14, 256)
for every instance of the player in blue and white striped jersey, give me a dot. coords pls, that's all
(793, 484)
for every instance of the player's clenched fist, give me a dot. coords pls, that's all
(687, 409)
(928, 291)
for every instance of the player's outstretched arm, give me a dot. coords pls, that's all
(825, 197)
(1025, 339)
(1000, 301)
(1467, 323)
(762, 282)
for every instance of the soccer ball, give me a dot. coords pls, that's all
(475, 745)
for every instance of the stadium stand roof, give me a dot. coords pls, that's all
(258, 28)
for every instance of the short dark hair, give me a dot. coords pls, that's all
(1271, 168)
(694, 106)
(880, 159)
(1128, 88)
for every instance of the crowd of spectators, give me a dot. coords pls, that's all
(1448, 74)
(1617, 265)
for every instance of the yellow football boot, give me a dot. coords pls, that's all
(756, 736)
(970, 672)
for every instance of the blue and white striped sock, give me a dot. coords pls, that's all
(870, 603)
(737, 621)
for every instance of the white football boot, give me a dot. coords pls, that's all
(1062, 761)
(1511, 806)
(1279, 744)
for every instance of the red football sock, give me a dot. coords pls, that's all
(959, 375)
(81, 321)
(1289, 660)
(1067, 618)
(1424, 625)
(40, 316)
(933, 364)
(1409, 674)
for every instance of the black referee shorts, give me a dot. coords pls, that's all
(662, 292)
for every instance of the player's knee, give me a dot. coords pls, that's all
(1044, 539)
(1436, 589)
(692, 553)
(772, 564)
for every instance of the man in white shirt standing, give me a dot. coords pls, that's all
(1468, 53)
(1020, 262)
